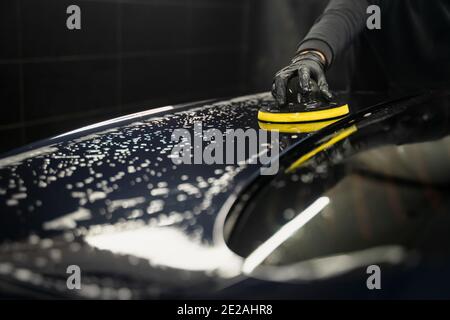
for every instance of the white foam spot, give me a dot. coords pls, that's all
(68, 221)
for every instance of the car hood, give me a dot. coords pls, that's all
(110, 199)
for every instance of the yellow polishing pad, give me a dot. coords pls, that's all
(332, 113)
(295, 127)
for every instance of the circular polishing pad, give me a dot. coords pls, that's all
(302, 113)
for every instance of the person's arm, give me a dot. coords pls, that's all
(334, 30)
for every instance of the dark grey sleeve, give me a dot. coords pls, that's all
(338, 25)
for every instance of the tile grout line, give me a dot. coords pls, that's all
(244, 45)
(23, 134)
(190, 24)
(137, 54)
(169, 3)
(119, 51)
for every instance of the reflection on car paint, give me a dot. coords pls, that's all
(372, 184)
(116, 190)
(110, 200)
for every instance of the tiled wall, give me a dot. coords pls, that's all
(129, 55)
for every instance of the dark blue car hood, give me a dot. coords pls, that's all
(109, 199)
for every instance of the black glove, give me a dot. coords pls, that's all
(308, 67)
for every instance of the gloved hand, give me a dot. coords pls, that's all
(309, 66)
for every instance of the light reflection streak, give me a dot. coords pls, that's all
(115, 120)
(168, 246)
(285, 232)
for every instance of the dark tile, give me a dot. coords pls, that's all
(10, 139)
(215, 93)
(158, 2)
(217, 3)
(58, 88)
(147, 79)
(45, 32)
(154, 27)
(9, 94)
(217, 26)
(214, 71)
(9, 29)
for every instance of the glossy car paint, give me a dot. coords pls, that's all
(109, 199)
